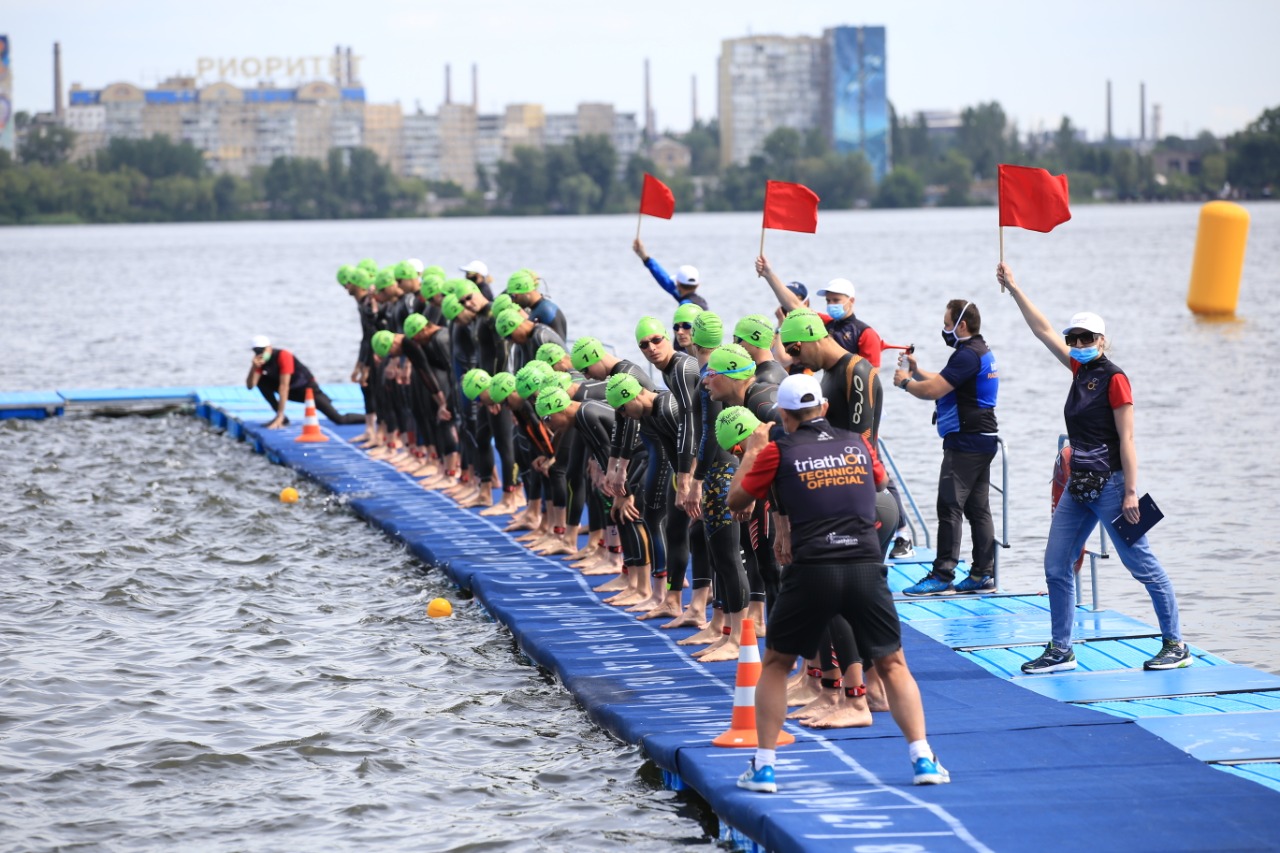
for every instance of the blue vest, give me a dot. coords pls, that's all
(971, 407)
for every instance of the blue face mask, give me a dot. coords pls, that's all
(1086, 355)
(836, 311)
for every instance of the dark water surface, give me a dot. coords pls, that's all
(187, 663)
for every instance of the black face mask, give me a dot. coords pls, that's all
(949, 337)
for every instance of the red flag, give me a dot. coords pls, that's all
(790, 207)
(1032, 198)
(656, 198)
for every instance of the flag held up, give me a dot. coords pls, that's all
(656, 198)
(790, 207)
(1032, 198)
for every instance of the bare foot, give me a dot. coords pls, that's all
(848, 714)
(556, 548)
(660, 612)
(604, 567)
(686, 620)
(713, 654)
(804, 692)
(500, 508)
(646, 605)
(625, 598)
(709, 634)
(620, 582)
(724, 638)
(825, 701)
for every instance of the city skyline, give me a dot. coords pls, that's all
(945, 56)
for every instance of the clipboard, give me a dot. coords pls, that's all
(1148, 515)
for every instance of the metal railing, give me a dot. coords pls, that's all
(1003, 489)
(887, 459)
(1101, 554)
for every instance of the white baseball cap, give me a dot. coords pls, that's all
(1088, 321)
(841, 286)
(478, 267)
(800, 391)
(687, 275)
(260, 341)
(417, 265)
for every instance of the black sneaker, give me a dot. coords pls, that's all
(1053, 659)
(1172, 655)
(902, 548)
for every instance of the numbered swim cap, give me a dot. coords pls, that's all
(734, 425)
(437, 271)
(475, 382)
(756, 330)
(802, 326)
(369, 265)
(413, 324)
(522, 281)
(708, 331)
(344, 274)
(382, 342)
(550, 354)
(551, 402)
(622, 389)
(731, 360)
(450, 307)
(359, 279)
(384, 279)
(405, 270)
(531, 378)
(501, 387)
(586, 352)
(508, 321)
(501, 304)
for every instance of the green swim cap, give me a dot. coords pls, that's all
(501, 303)
(344, 274)
(431, 286)
(622, 389)
(552, 402)
(359, 279)
(404, 269)
(413, 324)
(734, 425)
(369, 265)
(382, 342)
(451, 307)
(755, 329)
(648, 327)
(474, 382)
(508, 321)
(452, 285)
(465, 289)
(384, 279)
(562, 380)
(733, 361)
(522, 281)
(435, 270)
(686, 313)
(501, 387)
(708, 331)
(550, 354)
(586, 352)
(531, 378)
(802, 326)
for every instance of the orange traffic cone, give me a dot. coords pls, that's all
(742, 726)
(310, 423)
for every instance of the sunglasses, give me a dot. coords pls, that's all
(651, 342)
(1079, 338)
(259, 350)
(681, 327)
(793, 350)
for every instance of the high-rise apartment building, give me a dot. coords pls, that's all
(834, 83)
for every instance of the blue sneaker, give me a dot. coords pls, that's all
(977, 584)
(1053, 659)
(929, 771)
(929, 585)
(759, 779)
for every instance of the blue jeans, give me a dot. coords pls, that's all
(1072, 523)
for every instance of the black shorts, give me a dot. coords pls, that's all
(812, 593)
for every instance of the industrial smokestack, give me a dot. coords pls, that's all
(1155, 122)
(695, 99)
(1142, 111)
(58, 111)
(1108, 110)
(648, 106)
(350, 71)
(475, 87)
(448, 85)
(337, 65)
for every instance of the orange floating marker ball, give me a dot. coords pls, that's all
(439, 607)
(289, 495)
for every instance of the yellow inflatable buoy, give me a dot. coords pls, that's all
(439, 607)
(288, 495)
(1219, 259)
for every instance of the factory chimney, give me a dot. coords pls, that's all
(448, 85)
(337, 65)
(1108, 110)
(1142, 111)
(475, 87)
(59, 112)
(648, 106)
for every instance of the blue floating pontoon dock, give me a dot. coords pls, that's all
(1106, 758)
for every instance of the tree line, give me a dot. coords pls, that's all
(158, 180)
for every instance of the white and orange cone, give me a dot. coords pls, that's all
(310, 423)
(742, 726)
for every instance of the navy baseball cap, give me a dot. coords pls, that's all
(798, 289)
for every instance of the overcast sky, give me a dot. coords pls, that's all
(1210, 65)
